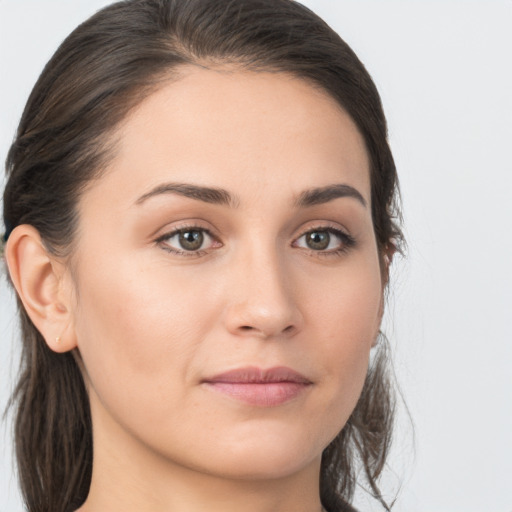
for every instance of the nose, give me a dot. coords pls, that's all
(263, 299)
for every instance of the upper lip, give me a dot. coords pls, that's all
(253, 374)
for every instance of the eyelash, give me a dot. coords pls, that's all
(347, 241)
(185, 229)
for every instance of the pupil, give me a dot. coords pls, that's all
(191, 240)
(318, 240)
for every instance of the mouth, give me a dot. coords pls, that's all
(258, 387)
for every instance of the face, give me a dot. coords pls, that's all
(227, 279)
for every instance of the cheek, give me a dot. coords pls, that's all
(348, 307)
(347, 319)
(136, 328)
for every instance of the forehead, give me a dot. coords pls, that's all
(256, 131)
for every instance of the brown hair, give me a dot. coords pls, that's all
(99, 73)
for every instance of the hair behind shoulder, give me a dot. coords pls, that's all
(105, 68)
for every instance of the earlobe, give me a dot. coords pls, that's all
(379, 322)
(38, 279)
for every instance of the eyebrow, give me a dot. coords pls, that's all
(213, 195)
(321, 195)
(206, 194)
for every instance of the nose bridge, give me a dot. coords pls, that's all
(263, 300)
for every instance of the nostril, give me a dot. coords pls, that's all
(250, 328)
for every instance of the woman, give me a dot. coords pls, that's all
(200, 218)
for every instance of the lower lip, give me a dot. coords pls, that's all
(262, 394)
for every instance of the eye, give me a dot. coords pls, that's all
(188, 241)
(326, 240)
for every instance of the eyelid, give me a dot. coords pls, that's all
(347, 240)
(182, 228)
(322, 225)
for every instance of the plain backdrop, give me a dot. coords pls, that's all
(444, 72)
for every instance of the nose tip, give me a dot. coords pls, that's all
(247, 320)
(265, 306)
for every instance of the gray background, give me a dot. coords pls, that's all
(444, 72)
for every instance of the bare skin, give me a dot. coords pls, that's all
(167, 291)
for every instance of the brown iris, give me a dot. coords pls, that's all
(191, 240)
(318, 240)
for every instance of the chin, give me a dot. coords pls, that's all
(269, 468)
(262, 459)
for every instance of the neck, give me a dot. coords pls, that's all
(181, 489)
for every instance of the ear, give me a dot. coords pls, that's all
(379, 322)
(386, 260)
(43, 286)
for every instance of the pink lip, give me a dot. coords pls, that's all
(264, 388)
